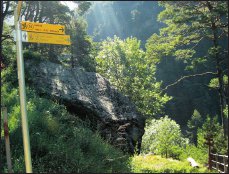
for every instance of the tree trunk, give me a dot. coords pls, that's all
(218, 68)
(1, 30)
(72, 53)
(219, 76)
(2, 17)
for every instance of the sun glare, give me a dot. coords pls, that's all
(70, 4)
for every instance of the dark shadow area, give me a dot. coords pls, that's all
(84, 114)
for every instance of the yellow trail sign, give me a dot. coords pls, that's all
(45, 38)
(42, 27)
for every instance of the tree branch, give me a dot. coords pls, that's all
(37, 12)
(23, 12)
(197, 43)
(222, 34)
(6, 9)
(28, 11)
(185, 77)
(223, 25)
(4, 37)
(45, 18)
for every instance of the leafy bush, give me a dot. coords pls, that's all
(163, 137)
(59, 141)
(125, 65)
(32, 55)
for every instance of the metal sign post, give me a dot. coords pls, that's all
(33, 33)
(21, 79)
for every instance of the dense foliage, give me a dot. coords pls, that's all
(195, 37)
(180, 45)
(163, 137)
(181, 73)
(193, 124)
(82, 46)
(126, 67)
(212, 127)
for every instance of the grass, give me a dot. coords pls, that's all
(60, 142)
(157, 164)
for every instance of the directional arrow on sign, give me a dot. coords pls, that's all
(62, 29)
(23, 26)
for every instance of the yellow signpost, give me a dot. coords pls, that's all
(35, 33)
(42, 27)
(21, 80)
(45, 38)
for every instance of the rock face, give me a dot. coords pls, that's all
(91, 97)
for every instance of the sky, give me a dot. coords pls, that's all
(70, 4)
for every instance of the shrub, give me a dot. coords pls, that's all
(32, 55)
(59, 141)
(163, 137)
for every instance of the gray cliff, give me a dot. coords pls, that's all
(90, 96)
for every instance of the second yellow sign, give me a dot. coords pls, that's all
(45, 38)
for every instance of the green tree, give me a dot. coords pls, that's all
(214, 84)
(212, 127)
(82, 45)
(6, 11)
(83, 7)
(189, 25)
(163, 137)
(124, 64)
(9, 68)
(193, 124)
(8, 45)
(53, 12)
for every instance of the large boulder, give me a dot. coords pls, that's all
(91, 97)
